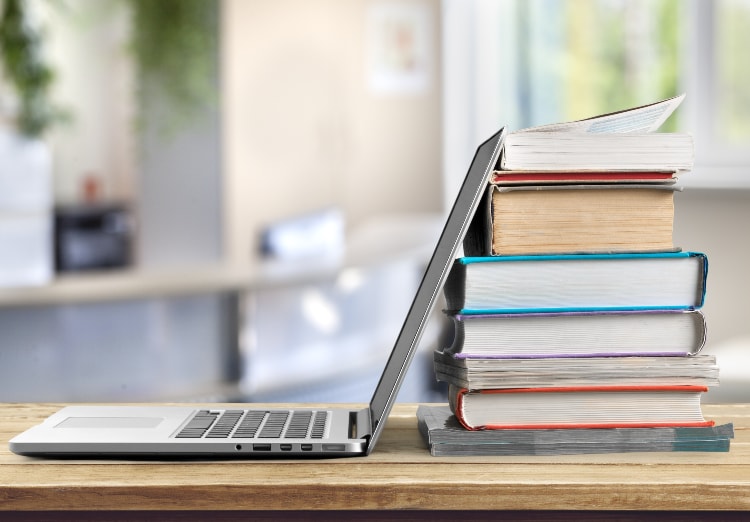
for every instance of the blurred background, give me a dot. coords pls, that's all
(235, 199)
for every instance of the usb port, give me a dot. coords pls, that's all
(262, 447)
(306, 447)
(286, 447)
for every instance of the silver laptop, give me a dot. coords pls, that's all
(250, 431)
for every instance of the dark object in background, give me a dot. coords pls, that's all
(92, 237)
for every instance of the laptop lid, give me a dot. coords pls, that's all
(464, 207)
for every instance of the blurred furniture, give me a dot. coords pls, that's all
(208, 333)
(123, 335)
(93, 237)
(399, 475)
(128, 334)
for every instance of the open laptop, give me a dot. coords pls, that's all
(250, 431)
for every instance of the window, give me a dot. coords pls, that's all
(527, 62)
(732, 75)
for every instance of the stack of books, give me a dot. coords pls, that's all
(577, 320)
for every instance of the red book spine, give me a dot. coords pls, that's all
(497, 177)
(459, 407)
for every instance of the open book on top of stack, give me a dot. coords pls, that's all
(605, 184)
(574, 311)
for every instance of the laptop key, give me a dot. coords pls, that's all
(249, 426)
(226, 423)
(274, 425)
(198, 425)
(319, 425)
(298, 425)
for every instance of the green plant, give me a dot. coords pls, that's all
(175, 49)
(25, 70)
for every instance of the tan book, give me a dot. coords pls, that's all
(553, 219)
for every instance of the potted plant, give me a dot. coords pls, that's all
(174, 45)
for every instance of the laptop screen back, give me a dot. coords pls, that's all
(429, 289)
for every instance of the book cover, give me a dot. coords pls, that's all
(577, 282)
(573, 218)
(565, 151)
(644, 119)
(579, 407)
(477, 373)
(541, 177)
(445, 436)
(578, 334)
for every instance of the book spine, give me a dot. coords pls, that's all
(457, 402)
(589, 389)
(462, 355)
(591, 310)
(468, 260)
(601, 425)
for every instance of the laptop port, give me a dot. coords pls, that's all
(286, 447)
(261, 447)
(306, 447)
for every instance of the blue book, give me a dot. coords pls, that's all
(577, 282)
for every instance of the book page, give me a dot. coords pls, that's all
(646, 118)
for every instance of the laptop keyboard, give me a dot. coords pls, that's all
(260, 424)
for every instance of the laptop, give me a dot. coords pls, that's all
(252, 431)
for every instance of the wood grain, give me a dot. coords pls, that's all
(400, 474)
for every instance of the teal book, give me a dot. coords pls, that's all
(577, 282)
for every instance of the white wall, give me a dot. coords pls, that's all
(87, 46)
(715, 221)
(303, 127)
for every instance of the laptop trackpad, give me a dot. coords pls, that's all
(110, 422)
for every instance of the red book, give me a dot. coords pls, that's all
(579, 407)
(533, 177)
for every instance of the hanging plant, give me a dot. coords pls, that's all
(175, 48)
(25, 70)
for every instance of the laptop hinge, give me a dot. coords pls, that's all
(359, 424)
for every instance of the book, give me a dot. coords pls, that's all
(582, 282)
(479, 373)
(612, 406)
(525, 177)
(618, 141)
(566, 151)
(564, 218)
(578, 334)
(445, 436)
(645, 118)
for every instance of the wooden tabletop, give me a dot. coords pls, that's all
(400, 474)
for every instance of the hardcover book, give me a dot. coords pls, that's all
(568, 218)
(578, 334)
(583, 282)
(542, 177)
(613, 406)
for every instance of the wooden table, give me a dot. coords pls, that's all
(399, 475)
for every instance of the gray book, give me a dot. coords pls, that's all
(446, 437)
